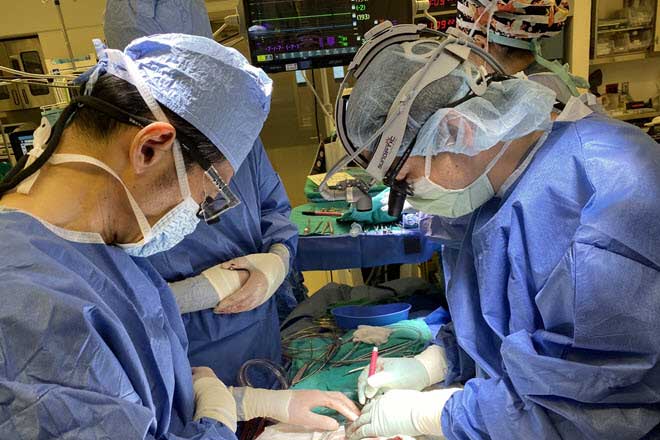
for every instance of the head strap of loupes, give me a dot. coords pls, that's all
(452, 52)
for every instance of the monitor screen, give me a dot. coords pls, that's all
(444, 21)
(442, 6)
(287, 35)
(21, 142)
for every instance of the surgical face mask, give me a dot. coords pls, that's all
(169, 231)
(173, 227)
(434, 199)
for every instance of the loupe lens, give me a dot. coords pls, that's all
(398, 194)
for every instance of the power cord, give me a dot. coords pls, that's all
(318, 97)
(316, 113)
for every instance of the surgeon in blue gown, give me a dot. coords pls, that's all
(218, 338)
(225, 341)
(92, 341)
(551, 255)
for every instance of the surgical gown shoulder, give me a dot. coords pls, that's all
(621, 170)
(86, 325)
(64, 305)
(78, 275)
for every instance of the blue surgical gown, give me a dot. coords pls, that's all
(225, 342)
(126, 20)
(554, 293)
(91, 343)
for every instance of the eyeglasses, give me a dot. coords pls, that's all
(213, 207)
(218, 197)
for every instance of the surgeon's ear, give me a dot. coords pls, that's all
(151, 145)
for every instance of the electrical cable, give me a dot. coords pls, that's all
(277, 371)
(432, 19)
(313, 89)
(36, 83)
(316, 113)
(36, 75)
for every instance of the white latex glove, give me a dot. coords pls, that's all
(425, 369)
(212, 398)
(225, 282)
(402, 412)
(293, 406)
(267, 272)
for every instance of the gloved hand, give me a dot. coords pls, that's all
(293, 406)
(212, 398)
(267, 272)
(402, 412)
(425, 369)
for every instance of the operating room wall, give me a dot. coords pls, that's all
(83, 19)
(642, 75)
(290, 132)
(52, 42)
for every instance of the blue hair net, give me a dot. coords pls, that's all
(377, 87)
(212, 87)
(507, 110)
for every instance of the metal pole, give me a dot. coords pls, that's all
(67, 42)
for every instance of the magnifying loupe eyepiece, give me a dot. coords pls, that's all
(398, 193)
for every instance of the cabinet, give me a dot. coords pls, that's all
(9, 97)
(624, 30)
(625, 57)
(23, 54)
